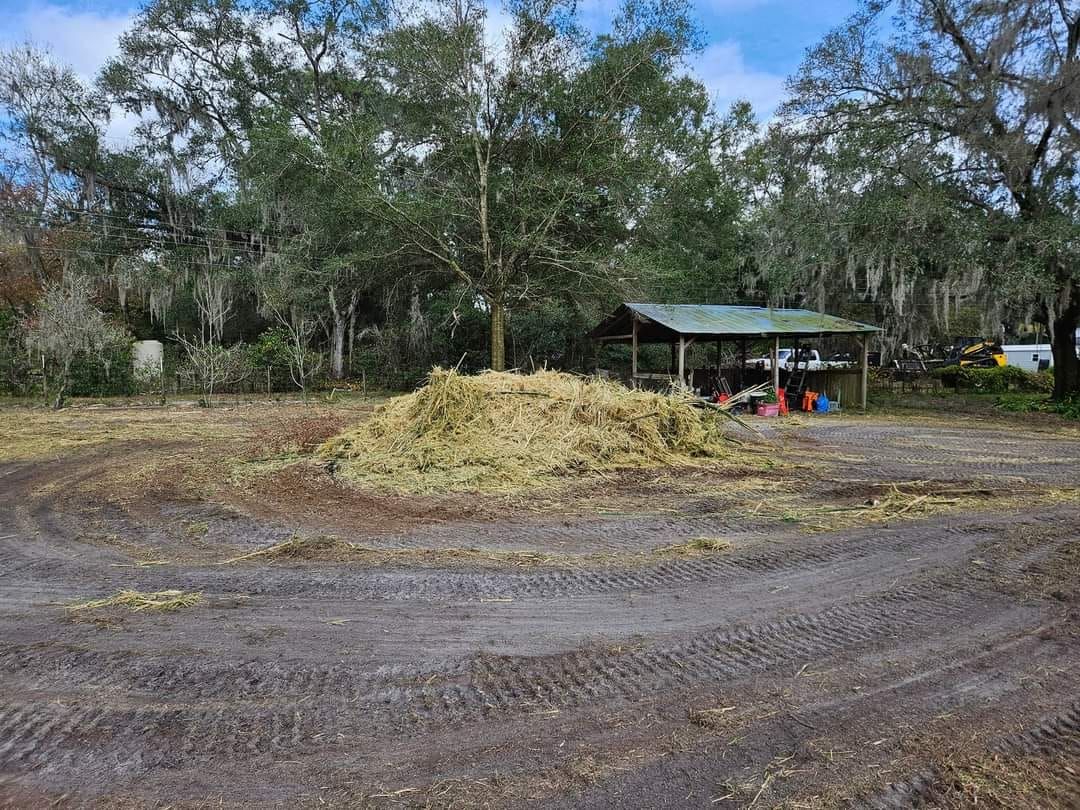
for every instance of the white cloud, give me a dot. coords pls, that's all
(722, 69)
(497, 27)
(82, 39)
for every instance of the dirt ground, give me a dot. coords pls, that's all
(885, 615)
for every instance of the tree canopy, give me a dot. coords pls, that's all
(973, 106)
(392, 184)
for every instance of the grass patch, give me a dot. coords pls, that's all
(27, 433)
(138, 601)
(1036, 403)
(333, 549)
(503, 432)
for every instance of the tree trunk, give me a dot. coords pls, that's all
(1066, 364)
(352, 339)
(341, 316)
(337, 352)
(498, 336)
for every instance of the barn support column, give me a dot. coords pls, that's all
(719, 370)
(682, 360)
(776, 362)
(633, 353)
(864, 367)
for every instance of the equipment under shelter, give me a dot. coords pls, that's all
(681, 325)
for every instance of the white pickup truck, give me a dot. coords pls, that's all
(810, 360)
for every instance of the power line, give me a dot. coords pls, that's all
(135, 231)
(129, 221)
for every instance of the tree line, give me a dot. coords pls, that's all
(399, 182)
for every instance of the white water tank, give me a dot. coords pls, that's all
(146, 356)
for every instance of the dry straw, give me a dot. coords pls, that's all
(503, 432)
(328, 547)
(138, 601)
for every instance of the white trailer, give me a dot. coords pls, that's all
(1033, 356)
(1029, 356)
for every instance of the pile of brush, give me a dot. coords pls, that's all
(504, 432)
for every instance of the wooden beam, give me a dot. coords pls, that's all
(776, 362)
(864, 368)
(742, 365)
(719, 371)
(682, 360)
(633, 351)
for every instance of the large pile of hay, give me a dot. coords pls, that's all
(504, 432)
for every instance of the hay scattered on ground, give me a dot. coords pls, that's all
(713, 718)
(328, 548)
(900, 501)
(699, 545)
(138, 601)
(503, 432)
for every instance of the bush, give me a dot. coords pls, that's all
(108, 373)
(1032, 403)
(1069, 408)
(997, 380)
(16, 374)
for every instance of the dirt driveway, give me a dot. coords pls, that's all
(888, 618)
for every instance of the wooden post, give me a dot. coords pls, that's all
(719, 370)
(864, 367)
(776, 362)
(682, 360)
(633, 353)
(742, 365)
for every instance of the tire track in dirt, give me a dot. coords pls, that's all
(802, 553)
(235, 719)
(953, 454)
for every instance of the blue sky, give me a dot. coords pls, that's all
(752, 45)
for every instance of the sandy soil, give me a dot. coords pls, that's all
(821, 659)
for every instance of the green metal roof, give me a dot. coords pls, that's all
(709, 319)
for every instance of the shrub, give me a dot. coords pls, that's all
(996, 380)
(1038, 403)
(109, 372)
(1069, 408)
